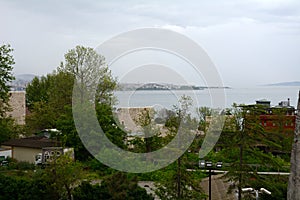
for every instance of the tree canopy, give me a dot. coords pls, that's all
(8, 129)
(91, 73)
(49, 98)
(6, 76)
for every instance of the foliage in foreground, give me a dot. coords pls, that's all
(63, 180)
(114, 187)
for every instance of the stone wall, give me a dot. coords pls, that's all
(18, 106)
(128, 116)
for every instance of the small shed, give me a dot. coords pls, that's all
(25, 149)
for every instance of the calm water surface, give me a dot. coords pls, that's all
(168, 98)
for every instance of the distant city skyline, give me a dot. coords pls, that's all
(251, 42)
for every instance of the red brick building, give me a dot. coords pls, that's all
(281, 117)
(279, 123)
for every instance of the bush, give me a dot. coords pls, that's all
(15, 188)
(116, 186)
(22, 165)
(25, 166)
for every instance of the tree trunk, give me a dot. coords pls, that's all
(179, 178)
(68, 192)
(240, 175)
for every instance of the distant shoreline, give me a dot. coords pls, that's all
(165, 89)
(286, 84)
(162, 87)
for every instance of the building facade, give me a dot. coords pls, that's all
(281, 117)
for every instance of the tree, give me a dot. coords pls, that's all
(114, 187)
(8, 129)
(178, 184)
(26, 188)
(152, 138)
(203, 113)
(92, 81)
(241, 135)
(47, 98)
(37, 91)
(62, 174)
(119, 186)
(88, 191)
(6, 67)
(50, 98)
(92, 74)
(109, 124)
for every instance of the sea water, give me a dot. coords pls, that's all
(167, 99)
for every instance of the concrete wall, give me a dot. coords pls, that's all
(17, 103)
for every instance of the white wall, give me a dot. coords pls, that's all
(6, 153)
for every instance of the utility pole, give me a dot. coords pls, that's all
(209, 192)
(293, 192)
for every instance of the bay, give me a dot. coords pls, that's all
(167, 98)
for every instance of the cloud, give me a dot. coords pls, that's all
(240, 36)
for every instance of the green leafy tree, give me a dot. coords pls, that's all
(62, 174)
(152, 138)
(25, 188)
(47, 98)
(203, 113)
(8, 129)
(88, 191)
(114, 187)
(69, 136)
(91, 73)
(119, 186)
(37, 91)
(6, 67)
(110, 125)
(178, 183)
(50, 98)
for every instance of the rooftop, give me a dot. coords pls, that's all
(36, 142)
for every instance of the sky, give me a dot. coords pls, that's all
(251, 42)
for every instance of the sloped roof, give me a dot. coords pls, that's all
(36, 142)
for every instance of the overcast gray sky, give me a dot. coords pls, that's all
(251, 42)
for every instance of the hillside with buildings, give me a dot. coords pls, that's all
(21, 81)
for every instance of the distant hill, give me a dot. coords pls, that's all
(21, 81)
(25, 77)
(293, 83)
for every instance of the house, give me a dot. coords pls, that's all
(25, 149)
